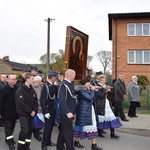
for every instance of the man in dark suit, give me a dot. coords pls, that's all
(47, 99)
(120, 94)
(67, 107)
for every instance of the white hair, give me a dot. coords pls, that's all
(134, 77)
(37, 78)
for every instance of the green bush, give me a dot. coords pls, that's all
(142, 80)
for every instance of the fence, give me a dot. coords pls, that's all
(144, 98)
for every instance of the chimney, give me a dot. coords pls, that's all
(6, 58)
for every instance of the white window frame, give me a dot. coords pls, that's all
(135, 29)
(134, 62)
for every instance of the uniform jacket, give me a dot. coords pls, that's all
(133, 92)
(67, 103)
(100, 100)
(26, 100)
(84, 107)
(7, 103)
(120, 90)
(47, 98)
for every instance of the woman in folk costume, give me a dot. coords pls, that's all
(85, 125)
(106, 118)
(38, 120)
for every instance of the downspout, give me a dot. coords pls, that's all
(116, 52)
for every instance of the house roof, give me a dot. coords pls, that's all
(18, 66)
(125, 15)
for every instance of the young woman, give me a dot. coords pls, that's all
(106, 117)
(85, 126)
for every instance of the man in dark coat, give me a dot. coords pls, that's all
(67, 107)
(47, 99)
(3, 79)
(27, 106)
(21, 81)
(120, 94)
(3, 82)
(8, 109)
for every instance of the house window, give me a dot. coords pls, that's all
(138, 29)
(139, 57)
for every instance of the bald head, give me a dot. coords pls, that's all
(70, 75)
(11, 80)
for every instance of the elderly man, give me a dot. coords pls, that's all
(3, 82)
(67, 107)
(120, 94)
(3, 79)
(8, 109)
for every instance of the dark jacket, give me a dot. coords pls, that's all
(67, 103)
(2, 84)
(120, 90)
(101, 100)
(84, 109)
(20, 82)
(26, 100)
(7, 103)
(48, 100)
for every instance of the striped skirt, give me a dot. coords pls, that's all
(89, 131)
(38, 121)
(109, 120)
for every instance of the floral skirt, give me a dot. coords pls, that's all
(38, 121)
(109, 120)
(89, 131)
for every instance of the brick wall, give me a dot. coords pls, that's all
(121, 43)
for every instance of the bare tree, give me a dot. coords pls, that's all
(105, 58)
(89, 59)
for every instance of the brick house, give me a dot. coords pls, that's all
(130, 36)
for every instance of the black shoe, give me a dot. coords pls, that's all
(61, 148)
(1, 125)
(135, 116)
(103, 132)
(101, 135)
(113, 135)
(11, 147)
(130, 116)
(44, 148)
(38, 137)
(77, 144)
(51, 144)
(95, 147)
(125, 120)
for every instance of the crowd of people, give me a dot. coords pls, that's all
(81, 111)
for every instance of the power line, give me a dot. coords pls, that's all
(29, 11)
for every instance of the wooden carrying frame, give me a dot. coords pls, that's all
(76, 50)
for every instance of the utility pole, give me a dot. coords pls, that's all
(48, 43)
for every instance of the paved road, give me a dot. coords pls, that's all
(126, 141)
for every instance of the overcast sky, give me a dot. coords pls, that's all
(23, 31)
